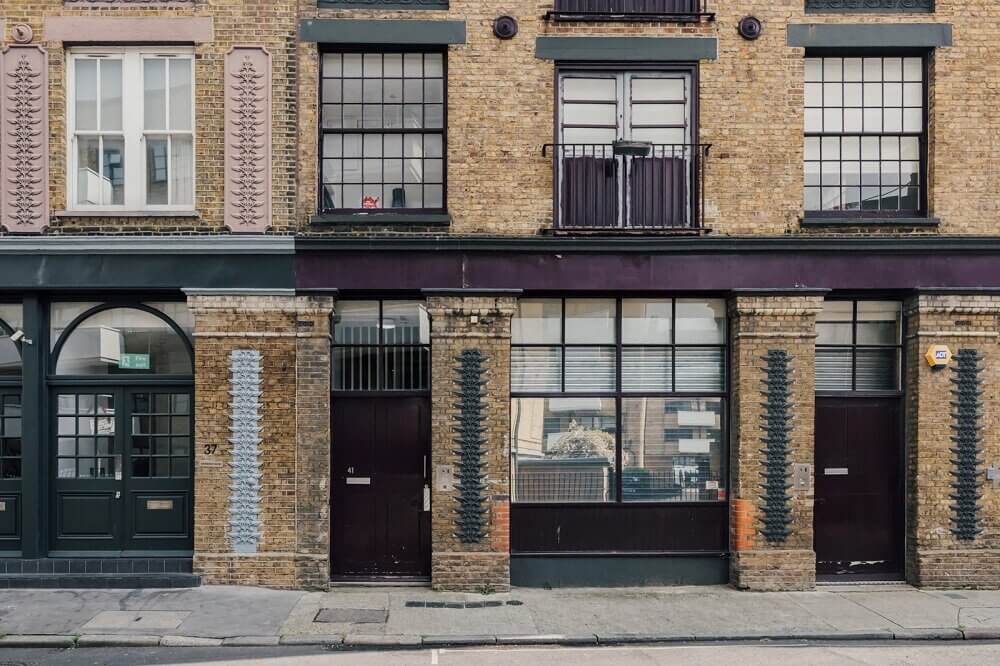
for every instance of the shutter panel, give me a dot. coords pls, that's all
(536, 369)
(589, 196)
(629, 6)
(658, 192)
(590, 369)
(646, 369)
(876, 370)
(699, 369)
(833, 369)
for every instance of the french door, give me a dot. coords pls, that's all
(122, 469)
(603, 181)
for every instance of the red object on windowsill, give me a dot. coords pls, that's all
(369, 202)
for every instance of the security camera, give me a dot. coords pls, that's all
(17, 336)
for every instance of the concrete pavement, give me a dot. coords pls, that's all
(409, 617)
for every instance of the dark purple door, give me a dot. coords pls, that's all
(859, 493)
(379, 458)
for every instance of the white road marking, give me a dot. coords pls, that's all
(434, 656)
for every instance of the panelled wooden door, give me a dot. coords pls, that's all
(859, 521)
(380, 461)
(122, 470)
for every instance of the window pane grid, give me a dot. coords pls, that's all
(161, 435)
(859, 347)
(865, 135)
(383, 131)
(85, 426)
(10, 436)
(381, 346)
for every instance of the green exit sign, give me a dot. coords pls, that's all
(134, 362)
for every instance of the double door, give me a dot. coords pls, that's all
(380, 492)
(122, 469)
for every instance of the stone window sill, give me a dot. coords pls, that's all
(400, 219)
(189, 214)
(818, 221)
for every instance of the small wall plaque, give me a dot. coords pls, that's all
(444, 478)
(159, 505)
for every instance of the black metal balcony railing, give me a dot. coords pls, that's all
(630, 10)
(628, 185)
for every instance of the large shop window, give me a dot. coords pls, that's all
(625, 153)
(618, 400)
(865, 136)
(131, 129)
(121, 340)
(858, 346)
(383, 132)
(381, 346)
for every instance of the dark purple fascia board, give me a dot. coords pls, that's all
(677, 264)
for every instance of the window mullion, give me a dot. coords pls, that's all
(132, 130)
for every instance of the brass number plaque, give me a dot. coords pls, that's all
(159, 505)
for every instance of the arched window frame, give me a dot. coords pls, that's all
(118, 379)
(8, 330)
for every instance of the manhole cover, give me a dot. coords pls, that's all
(352, 615)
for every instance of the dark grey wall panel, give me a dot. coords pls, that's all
(855, 36)
(350, 31)
(612, 571)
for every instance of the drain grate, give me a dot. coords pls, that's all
(461, 604)
(352, 615)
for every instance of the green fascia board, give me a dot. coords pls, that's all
(627, 49)
(866, 35)
(364, 31)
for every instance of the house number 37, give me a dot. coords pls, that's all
(210, 449)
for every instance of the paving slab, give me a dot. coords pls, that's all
(971, 617)
(908, 608)
(143, 621)
(839, 612)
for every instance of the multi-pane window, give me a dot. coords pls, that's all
(383, 131)
(865, 136)
(85, 426)
(131, 129)
(602, 181)
(160, 437)
(381, 346)
(10, 436)
(618, 400)
(858, 346)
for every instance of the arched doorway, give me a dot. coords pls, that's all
(122, 433)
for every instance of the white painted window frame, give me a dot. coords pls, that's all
(133, 131)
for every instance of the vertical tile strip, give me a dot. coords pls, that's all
(470, 428)
(244, 495)
(248, 139)
(777, 426)
(966, 412)
(24, 132)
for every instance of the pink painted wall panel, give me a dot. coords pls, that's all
(24, 132)
(248, 139)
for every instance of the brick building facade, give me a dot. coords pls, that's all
(489, 295)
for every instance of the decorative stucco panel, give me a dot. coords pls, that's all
(24, 205)
(244, 497)
(248, 139)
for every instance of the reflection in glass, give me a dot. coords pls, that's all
(563, 449)
(671, 449)
(124, 341)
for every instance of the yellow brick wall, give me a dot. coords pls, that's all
(271, 24)
(500, 100)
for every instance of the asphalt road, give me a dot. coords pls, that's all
(897, 652)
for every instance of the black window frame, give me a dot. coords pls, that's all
(642, 12)
(854, 347)
(619, 395)
(878, 215)
(323, 131)
(379, 347)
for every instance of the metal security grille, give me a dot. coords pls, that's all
(383, 131)
(858, 347)
(381, 346)
(865, 136)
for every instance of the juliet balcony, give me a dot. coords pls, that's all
(628, 186)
